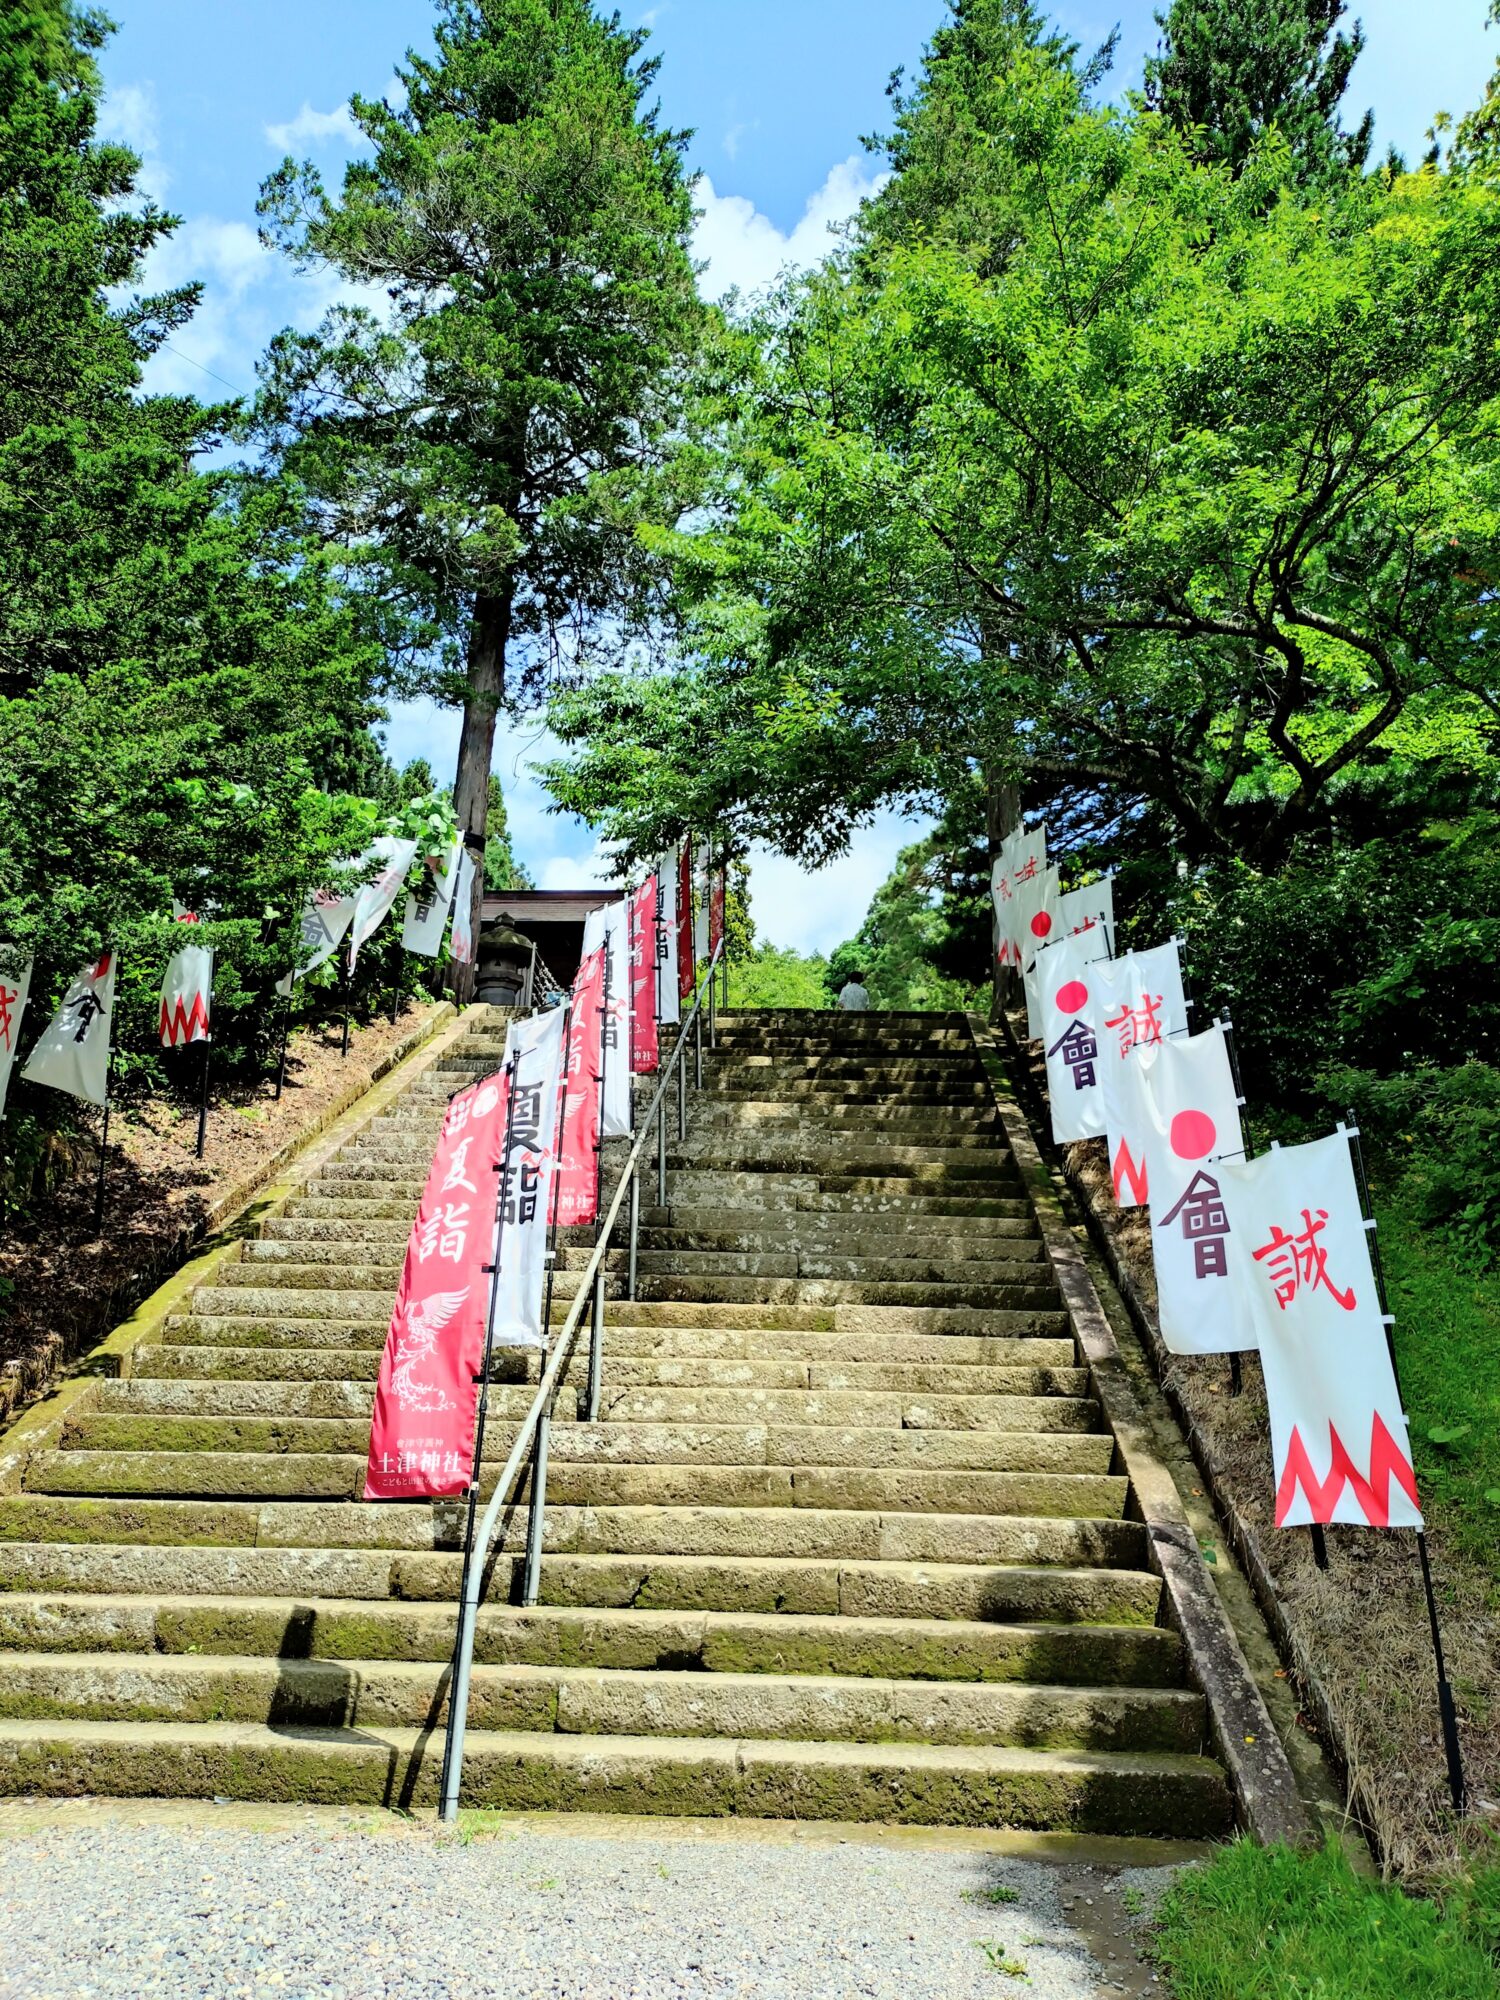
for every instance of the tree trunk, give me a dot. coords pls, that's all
(1002, 815)
(489, 631)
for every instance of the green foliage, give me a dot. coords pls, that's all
(1166, 490)
(1447, 1315)
(914, 937)
(1269, 1923)
(773, 977)
(1228, 71)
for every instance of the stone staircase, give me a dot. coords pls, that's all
(847, 1541)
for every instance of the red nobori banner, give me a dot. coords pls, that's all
(687, 969)
(578, 1187)
(422, 1436)
(644, 1053)
(716, 893)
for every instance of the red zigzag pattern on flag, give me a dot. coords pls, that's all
(183, 1023)
(1126, 1169)
(1373, 1494)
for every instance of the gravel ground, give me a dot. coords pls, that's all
(102, 1904)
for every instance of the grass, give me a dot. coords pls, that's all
(1262, 1923)
(1000, 1960)
(1448, 1348)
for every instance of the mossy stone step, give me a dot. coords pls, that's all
(699, 1529)
(1005, 1593)
(1139, 1792)
(593, 1701)
(562, 1635)
(975, 1293)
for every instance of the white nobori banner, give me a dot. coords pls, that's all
(1070, 1023)
(527, 1167)
(461, 940)
(72, 1053)
(1145, 1005)
(1299, 1249)
(1023, 854)
(426, 914)
(15, 991)
(668, 1003)
(610, 926)
(373, 902)
(1189, 1119)
(187, 990)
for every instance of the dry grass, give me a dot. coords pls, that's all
(62, 1288)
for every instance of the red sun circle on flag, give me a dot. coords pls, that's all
(1041, 923)
(1193, 1135)
(1072, 996)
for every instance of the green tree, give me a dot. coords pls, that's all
(501, 868)
(528, 220)
(1228, 71)
(185, 681)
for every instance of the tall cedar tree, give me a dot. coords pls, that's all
(528, 223)
(1233, 68)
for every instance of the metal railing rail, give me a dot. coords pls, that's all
(535, 1425)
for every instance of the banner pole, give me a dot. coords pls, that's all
(203, 1099)
(208, 1046)
(109, 1077)
(1447, 1712)
(468, 1596)
(286, 1030)
(603, 1087)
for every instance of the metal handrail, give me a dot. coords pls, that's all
(533, 1428)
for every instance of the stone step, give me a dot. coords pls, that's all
(969, 1293)
(334, 1469)
(260, 1323)
(821, 1150)
(696, 1529)
(329, 1361)
(822, 1218)
(718, 1113)
(925, 1649)
(594, 1701)
(325, 1396)
(692, 1195)
(1006, 1593)
(1019, 1264)
(1138, 1792)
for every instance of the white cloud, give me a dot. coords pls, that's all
(745, 248)
(128, 118)
(315, 128)
(734, 135)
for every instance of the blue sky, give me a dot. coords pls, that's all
(213, 92)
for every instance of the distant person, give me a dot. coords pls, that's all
(854, 997)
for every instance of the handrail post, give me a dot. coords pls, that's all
(713, 1030)
(596, 1347)
(698, 1050)
(536, 1517)
(661, 1151)
(635, 1232)
(534, 1427)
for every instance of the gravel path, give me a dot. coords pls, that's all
(98, 1902)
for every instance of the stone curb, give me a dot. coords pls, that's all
(1267, 1798)
(236, 1215)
